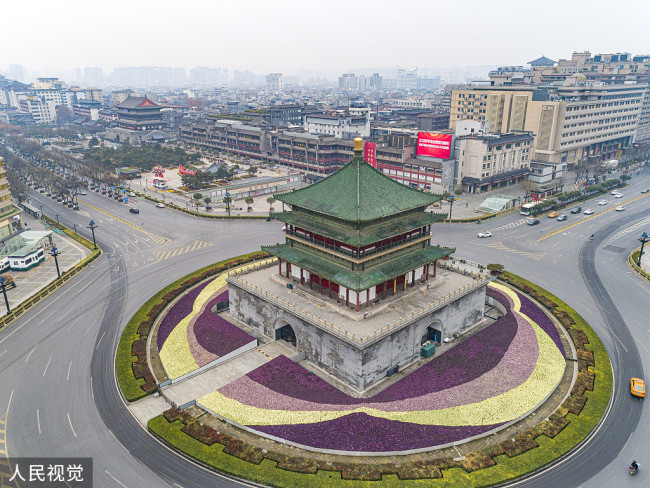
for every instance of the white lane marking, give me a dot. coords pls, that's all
(30, 353)
(116, 480)
(47, 365)
(92, 392)
(646, 349)
(70, 422)
(38, 420)
(16, 329)
(1, 353)
(100, 340)
(10, 397)
(67, 378)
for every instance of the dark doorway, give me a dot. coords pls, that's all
(431, 334)
(286, 334)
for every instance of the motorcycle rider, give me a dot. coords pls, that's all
(634, 466)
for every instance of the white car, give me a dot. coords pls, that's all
(484, 234)
(618, 195)
(614, 192)
(589, 211)
(602, 202)
(83, 192)
(131, 194)
(620, 208)
(160, 205)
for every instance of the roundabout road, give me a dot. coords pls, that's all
(56, 361)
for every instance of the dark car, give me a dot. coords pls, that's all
(134, 210)
(576, 210)
(532, 222)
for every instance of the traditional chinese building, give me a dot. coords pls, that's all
(358, 235)
(357, 289)
(139, 113)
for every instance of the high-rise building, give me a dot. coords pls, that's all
(275, 81)
(570, 122)
(93, 77)
(17, 72)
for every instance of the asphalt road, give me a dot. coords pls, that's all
(56, 361)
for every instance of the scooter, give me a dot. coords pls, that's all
(634, 468)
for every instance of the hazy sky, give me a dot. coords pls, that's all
(284, 35)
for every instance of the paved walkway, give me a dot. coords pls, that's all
(208, 381)
(30, 282)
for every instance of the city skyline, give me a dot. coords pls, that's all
(332, 37)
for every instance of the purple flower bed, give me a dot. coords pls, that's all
(465, 362)
(216, 335)
(498, 296)
(362, 432)
(222, 297)
(178, 312)
(535, 313)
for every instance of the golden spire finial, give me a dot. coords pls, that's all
(358, 144)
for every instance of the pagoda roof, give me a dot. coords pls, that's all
(137, 102)
(382, 271)
(360, 237)
(543, 61)
(358, 193)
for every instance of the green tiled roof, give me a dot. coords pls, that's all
(359, 237)
(381, 272)
(358, 193)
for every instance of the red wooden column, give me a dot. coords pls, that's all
(426, 270)
(288, 269)
(347, 297)
(412, 278)
(368, 298)
(435, 265)
(357, 301)
(302, 278)
(280, 266)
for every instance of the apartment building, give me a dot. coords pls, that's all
(571, 122)
(42, 111)
(339, 125)
(490, 161)
(275, 81)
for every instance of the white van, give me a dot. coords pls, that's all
(4, 265)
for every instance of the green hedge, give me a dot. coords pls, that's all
(633, 259)
(527, 452)
(133, 375)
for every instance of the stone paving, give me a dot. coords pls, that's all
(30, 282)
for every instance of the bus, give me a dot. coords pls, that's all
(526, 208)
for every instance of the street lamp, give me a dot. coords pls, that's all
(3, 285)
(55, 252)
(643, 239)
(451, 204)
(57, 217)
(92, 226)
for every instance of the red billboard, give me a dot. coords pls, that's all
(369, 154)
(434, 145)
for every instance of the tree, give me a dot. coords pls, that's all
(249, 200)
(195, 102)
(495, 268)
(93, 142)
(63, 114)
(528, 186)
(197, 196)
(458, 191)
(207, 200)
(252, 170)
(270, 201)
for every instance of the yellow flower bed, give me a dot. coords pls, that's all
(175, 353)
